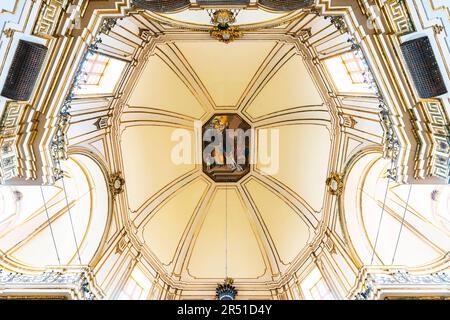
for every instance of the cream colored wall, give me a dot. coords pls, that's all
(423, 239)
(28, 240)
(322, 241)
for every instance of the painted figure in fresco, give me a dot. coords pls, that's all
(228, 157)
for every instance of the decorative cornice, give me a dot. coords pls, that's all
(379, 284)
(60, 142)
(391, 141)
(76, 281)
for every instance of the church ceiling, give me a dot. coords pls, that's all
(201, 230)
(104, 165)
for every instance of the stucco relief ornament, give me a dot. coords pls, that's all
(391, 141)
(335, 184)
(60, 141)
(407, 278)
(116, 183)
(338, 22)
(378, 282)
(367, 293)
(223, 30)
(49, 278)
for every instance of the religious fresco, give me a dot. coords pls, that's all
(226, 148)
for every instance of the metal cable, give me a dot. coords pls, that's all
(70, 217)
(50, 225)
(401, 226)
(382, 214)
(226, 232)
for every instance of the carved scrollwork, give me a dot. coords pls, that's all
(376, 283)
(49, 278)
(116, 183)
(335, 184)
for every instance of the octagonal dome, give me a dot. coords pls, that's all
(253, 229)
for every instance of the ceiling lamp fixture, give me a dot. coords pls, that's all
(223, 30)
(226, 291)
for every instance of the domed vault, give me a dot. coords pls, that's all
(198, 230)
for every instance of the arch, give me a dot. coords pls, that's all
(423, 240)
(27, 242)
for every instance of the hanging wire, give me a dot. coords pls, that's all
(226, 232)
(50, 225)
(70, 216)
(382, 212)
(401, 226)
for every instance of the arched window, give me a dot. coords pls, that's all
(101, 74)
(348, 72)
(423, 237)
(25, 234)
(137, 287)
(314, 287)
(95, 68)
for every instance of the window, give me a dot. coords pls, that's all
(320, 291)
(137, 287)
(314, 287)
(348, 73)
(355, 67)
(132, 291)
(102, 75)
(95, 69)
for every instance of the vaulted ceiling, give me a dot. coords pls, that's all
(182, 217)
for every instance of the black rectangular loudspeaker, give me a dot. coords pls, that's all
(423, 67)
(223, 2)
(24, 71)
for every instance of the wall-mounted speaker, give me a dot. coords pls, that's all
(24, 71)
(162, 6)
(423, 67)
(286, 5)
(223, 2)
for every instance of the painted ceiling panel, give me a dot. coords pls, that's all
(159, 87)
(304, 152)
(164, 231)
(244, 255)
(288, 231)
(290, 87)
(218, 66)
(146, 153)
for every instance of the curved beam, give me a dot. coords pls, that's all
(271, 257)
(149, 208)
(276, 59)
(173, 57)
(139, 115)
(191, 233)
(298, 204)
(315, 114)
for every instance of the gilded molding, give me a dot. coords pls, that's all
(77, 282)
(401, 284)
